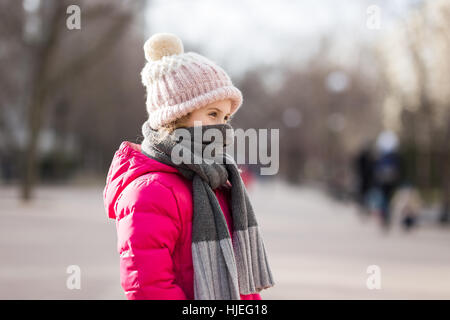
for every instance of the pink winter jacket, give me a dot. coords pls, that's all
(152, 205)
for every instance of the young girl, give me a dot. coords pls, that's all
(185, 230)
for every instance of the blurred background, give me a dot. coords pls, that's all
(360, 91)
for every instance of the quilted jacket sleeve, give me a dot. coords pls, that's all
(148, 226)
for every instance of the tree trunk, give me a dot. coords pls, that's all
(31, 153)
(425, 141)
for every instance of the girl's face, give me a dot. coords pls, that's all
(217, 112)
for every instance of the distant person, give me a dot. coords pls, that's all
(387, 172)
(185, 230)
(364, 165)
(444, 217)
(406, 207)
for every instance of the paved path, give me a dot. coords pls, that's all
(318, 248)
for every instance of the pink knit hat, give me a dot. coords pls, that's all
(178, 83)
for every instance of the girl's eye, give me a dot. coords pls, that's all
(213, 114)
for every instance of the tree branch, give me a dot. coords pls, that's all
(80, 64)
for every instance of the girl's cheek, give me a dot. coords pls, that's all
(205, 121)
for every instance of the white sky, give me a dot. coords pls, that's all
(238, 34)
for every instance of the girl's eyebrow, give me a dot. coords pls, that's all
(220, 111)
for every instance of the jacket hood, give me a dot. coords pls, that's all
(127, 165)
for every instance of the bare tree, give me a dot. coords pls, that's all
(41, 46)
(421, 44)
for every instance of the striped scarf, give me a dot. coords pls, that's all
(224, 266)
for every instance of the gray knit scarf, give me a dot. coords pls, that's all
(224, 266)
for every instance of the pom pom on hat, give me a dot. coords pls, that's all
(162, 44)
